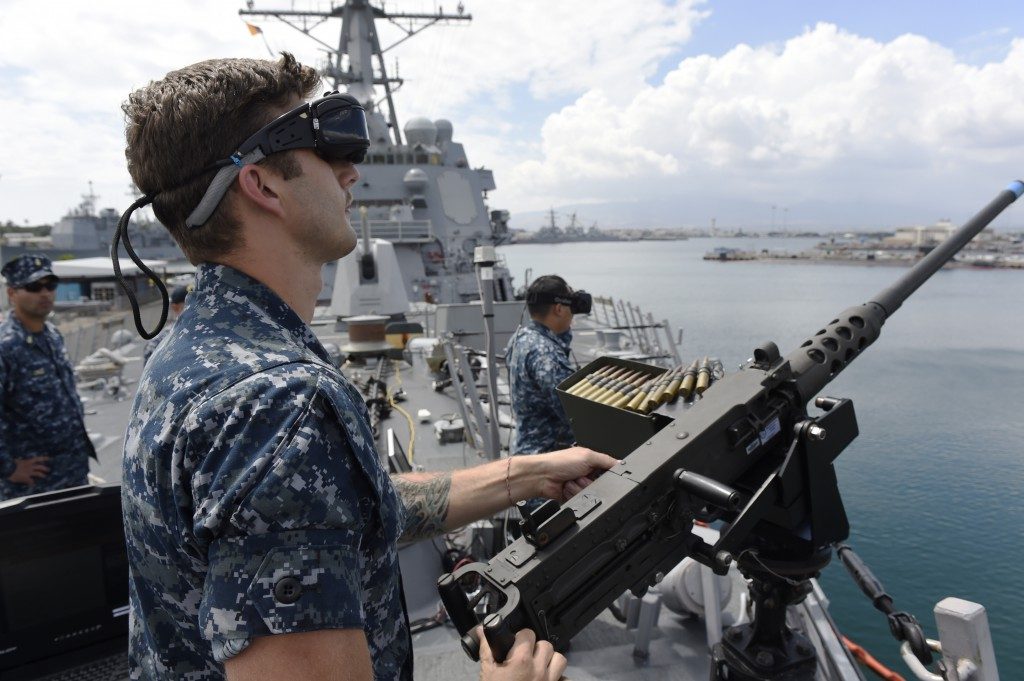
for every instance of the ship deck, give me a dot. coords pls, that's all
(677, 648)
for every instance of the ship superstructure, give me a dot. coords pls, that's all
(417, 186)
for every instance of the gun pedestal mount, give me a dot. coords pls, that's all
(767, 649)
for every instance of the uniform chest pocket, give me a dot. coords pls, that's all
(38, 377)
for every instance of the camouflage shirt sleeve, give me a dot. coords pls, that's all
(7, 465)
(549, 367)
(282, 504)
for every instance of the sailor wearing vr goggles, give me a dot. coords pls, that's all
(538, 360)
(254, 499)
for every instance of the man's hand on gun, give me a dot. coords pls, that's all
(529, 660)
(558, 475)
(568, 471)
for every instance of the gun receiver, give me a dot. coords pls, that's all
(747, 452)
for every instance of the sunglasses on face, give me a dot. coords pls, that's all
(37, 286)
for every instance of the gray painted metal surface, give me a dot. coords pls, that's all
(966, 640)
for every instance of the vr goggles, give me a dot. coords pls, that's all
(579, 302)
(334, 126)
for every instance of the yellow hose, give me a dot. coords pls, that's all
(403, 412)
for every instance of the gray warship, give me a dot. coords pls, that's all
(86, 232)
(406, 316)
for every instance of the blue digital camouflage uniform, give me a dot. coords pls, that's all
(254, 500)
(153, 343)
(41, 413)
(538, 360)
(177, 296)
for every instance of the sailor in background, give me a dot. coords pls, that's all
(255, 504)
(43, 442)
(538, 360)
(178, 296)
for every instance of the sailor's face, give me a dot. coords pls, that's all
(562, 318)
(33, 304)
(324, 197)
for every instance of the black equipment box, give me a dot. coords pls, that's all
(607, 429)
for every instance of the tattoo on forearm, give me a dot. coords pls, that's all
(426, 504)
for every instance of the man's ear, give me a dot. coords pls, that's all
(256, 186)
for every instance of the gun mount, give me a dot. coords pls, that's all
(747, 453)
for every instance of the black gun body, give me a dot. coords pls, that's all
(628, 525)
(747, 453)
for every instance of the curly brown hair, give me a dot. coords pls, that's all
(196, 116)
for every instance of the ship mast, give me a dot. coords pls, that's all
(359, 41)
(87, 208)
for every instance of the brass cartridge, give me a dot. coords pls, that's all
(588, 380)
(703, 376)
(621, 389)
(599, 383)
(641, 396)
(689, 380)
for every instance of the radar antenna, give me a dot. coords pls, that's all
(87, 208)
(360, 43)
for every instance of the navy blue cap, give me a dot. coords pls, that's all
(27, 268)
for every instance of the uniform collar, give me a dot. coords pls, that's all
(563, 339)
(20, 329)
(227, 283)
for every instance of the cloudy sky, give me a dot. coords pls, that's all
(651, 112)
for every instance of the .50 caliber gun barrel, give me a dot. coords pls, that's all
(818, 360)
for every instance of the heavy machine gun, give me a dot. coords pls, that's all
(748, 453)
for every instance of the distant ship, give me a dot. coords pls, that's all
(85, 233)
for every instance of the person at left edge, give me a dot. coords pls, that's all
(43, 442)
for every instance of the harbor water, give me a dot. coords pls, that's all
(934, 484)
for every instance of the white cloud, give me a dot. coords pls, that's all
(828, 112)
(66, 68)
(558, 98)
(553, 48)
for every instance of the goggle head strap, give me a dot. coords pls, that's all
(219, 186)
(122, 233)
